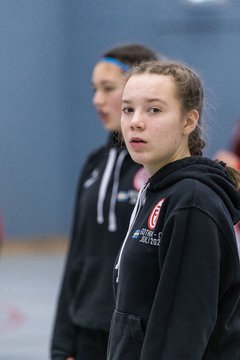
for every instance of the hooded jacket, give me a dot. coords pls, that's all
(177, 275)
(107, 192)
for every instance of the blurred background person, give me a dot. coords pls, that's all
(231, 157)
(107, 191)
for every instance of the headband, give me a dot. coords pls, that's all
(116, 62)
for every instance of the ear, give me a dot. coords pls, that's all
(190, 121)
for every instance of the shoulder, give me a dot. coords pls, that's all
(100, 152)
(192, 186)
(189, 192)
(191, 196)
(205, 205)
(93, 160)
(96, 157)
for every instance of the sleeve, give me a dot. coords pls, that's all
(64, 332)
(185, 306)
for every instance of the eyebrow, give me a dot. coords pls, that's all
(104, 82)
(151, 100)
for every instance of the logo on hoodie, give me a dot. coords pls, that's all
(92, 179)
(153, 217)
(146, 236)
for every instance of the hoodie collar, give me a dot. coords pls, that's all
(205, 170)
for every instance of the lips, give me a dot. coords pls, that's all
(103, 115)
(137, 140)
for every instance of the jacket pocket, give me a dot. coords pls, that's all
(126, 337)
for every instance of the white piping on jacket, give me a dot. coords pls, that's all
(112, 221)
(140, 202)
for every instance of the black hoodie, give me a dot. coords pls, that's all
(177, 274)
(107, 192)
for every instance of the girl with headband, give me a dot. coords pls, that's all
(107, 191)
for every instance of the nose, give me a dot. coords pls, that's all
(98, 98)
(137, 122)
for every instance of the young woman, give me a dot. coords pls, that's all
(232, 158)
(107, 191)
(177, 275)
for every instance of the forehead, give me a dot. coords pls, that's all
(103, 71)
(150, 85)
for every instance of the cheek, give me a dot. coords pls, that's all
(166, 133)
(124, 127)
(115, 102)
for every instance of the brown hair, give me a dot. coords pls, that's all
(233, 173)
(132, 54)
(189, 92)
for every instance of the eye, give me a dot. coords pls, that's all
(154, 110)
(109, 88)
(127, 110)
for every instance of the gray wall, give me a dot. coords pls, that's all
(48, 125)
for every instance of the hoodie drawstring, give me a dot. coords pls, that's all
(140, 202)
(112, 225)
(104, 184)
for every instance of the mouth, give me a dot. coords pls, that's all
(137, 140)
(103, 115)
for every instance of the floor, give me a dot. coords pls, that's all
(30, 278)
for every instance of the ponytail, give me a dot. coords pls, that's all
(234, 175)
(196, 142)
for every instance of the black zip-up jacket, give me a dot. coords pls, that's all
(107, 193)
(178, 280)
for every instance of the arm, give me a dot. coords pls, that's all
(64, 334)
(185, 307)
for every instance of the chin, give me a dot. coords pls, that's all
(136, 159)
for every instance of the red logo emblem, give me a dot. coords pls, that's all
(153, 218)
